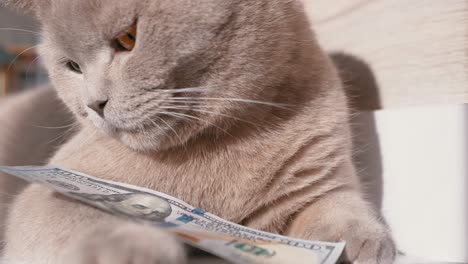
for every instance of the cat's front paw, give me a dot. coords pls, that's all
(369, 243)
(125, 243)
(346, 217)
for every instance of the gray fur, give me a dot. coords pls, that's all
(267, 145)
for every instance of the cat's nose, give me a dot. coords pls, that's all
(98, 106)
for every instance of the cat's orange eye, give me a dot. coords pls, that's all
(126, 40)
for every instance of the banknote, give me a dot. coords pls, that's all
(207, 232)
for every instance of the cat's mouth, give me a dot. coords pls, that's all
(114, 124)
(112, 128)
(152, 134)
(164, 123)
(115, 129)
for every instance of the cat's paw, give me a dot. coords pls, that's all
(345, 216)
(125, 243)
(368, 243)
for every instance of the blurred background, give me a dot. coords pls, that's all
(20, 67)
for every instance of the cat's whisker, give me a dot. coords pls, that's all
(237, 100)
(187, 107)
(57, 138)
(17, 56)
(31, 63)
(183, 90)
(62, 135)
(158, 126)
(171, 128)
(141, 130)
(21, 30)
(185, 116)
(90, 138)
(58, 127)
(173, 114)
(213, 101)
(187, 103)
(186, 100)
(213, 113)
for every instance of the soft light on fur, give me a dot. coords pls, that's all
(230, 105)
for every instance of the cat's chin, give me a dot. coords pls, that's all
(143, 142)
(150, 139)
(147, 141)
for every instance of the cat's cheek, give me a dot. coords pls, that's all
(68, 89)
(72, 101)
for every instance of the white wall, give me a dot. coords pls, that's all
(422, 154)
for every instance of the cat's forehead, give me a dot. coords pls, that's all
(89, 16)
(87, 24)
(105, 14)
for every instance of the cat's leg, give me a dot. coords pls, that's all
(115, 243)
(343, 215)
(47, 228)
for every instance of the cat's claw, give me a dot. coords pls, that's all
(125, 243)
(381, 251)
(371, 244)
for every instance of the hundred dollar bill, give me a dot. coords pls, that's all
(200, 229)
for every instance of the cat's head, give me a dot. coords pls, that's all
(154, 73)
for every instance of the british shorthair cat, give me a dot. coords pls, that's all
(229, 105)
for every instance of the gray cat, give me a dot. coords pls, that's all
(229, 105)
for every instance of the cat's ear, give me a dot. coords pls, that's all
(30, 7)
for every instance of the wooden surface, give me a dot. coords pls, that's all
(417, 50)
